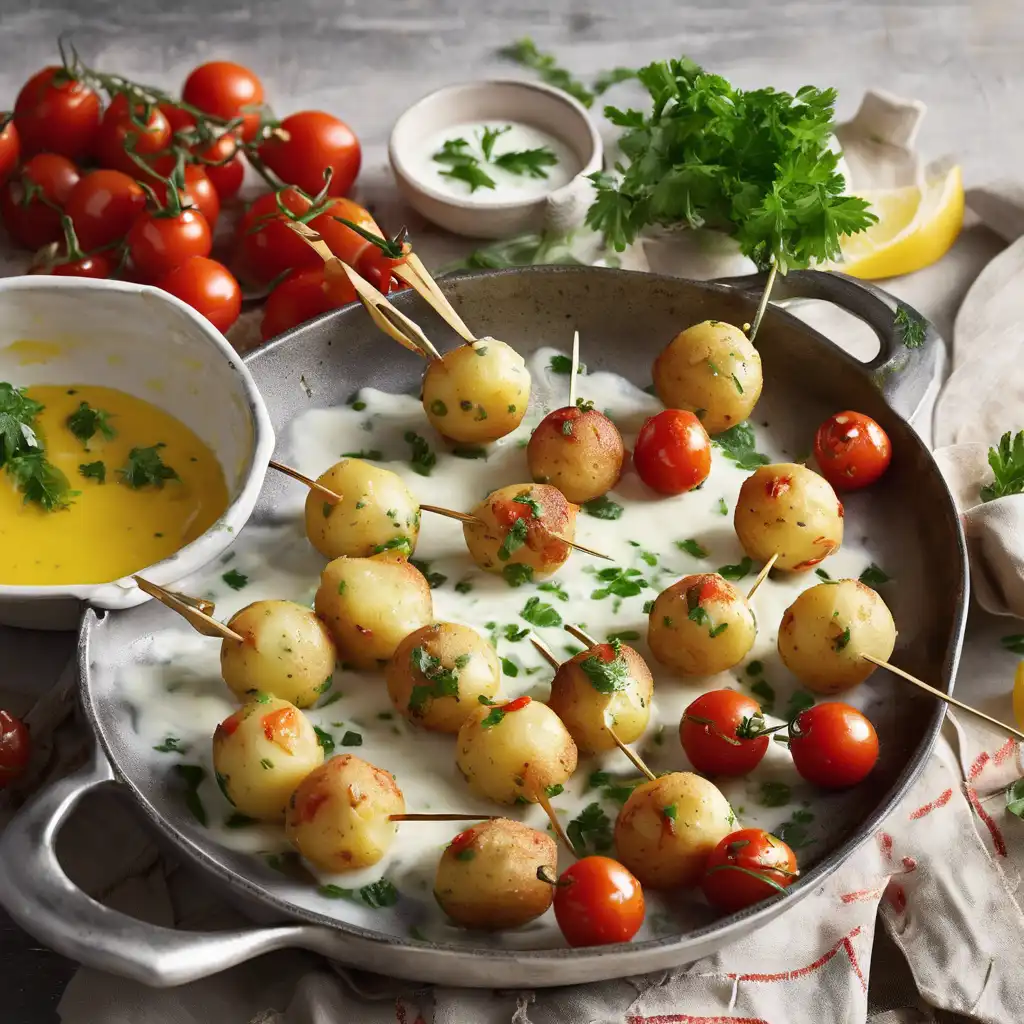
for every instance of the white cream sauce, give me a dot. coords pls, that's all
(174, 686)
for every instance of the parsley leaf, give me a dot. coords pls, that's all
(842, 641)
(691, 547)
(489, 137)
(872, 576)
(93, 471)
(144, 466)
(794, 832)
(441, 681)
(1007, 462)
(40, 481)
(85, 422)
(524, 51)
(234, 579)
(423, 458)
(738, 444)
(539, 613)
(1015, 798)
(527, 162)
(471, 173)
(563, 365)
(798, 701)
(517, 574)
(325, 739)
(590, 831)
(774, 794)
(172, 745)
(534, 505)
(401, 544)
(619, 583)
(192, 775)
(514, 539)
(736, 572)
(556, 588)
(607, 676)
(765, 693)
(17, 422)
(603, 508)
(910, 325)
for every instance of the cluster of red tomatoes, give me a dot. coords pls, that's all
(103, 177)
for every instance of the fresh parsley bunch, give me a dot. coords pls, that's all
(756, 165)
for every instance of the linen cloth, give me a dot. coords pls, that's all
(942, 875)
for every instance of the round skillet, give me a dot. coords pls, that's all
(624, 319)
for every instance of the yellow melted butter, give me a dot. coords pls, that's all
(110, 530)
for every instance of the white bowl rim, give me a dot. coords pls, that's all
(237, 512)
(590, 164)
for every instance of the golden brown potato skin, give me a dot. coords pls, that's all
(695, 643)
(578, 450)
(487, 877)
(587, 711)
(376, 510)
(666, 852)
(713, 370)
(543, 550)
(477, 393)
(826, 631)
(287, 653)
(370, 605)
(459, 651)
(789, 509)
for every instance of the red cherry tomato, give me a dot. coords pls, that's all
(833, 745)
(149, 137)
(10, 149)
(673, 452)
(722, 733)
(56, 113)
(207, 286)
(223, 167)
(746, 867)
(852, 450)
(598, 902)
(268, 247)
(198, 192)
(158, 243)
(301, 296)
(97, 266)
(31, 222)
(102, 206)
(346, 244)
(226, 90)
(15, 748)
(306, 144)
(179, 120)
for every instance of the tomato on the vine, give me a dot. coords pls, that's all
(852, 450)
(746, 867)
(723, 733)
(179, 119)
(223, 166)
(10, 147)
(207, 286)
(269, 247)
(226, 90)
(127, 125)
(57, 113)
(673, 452)
(15, 748)
(301, 296)
(833, 745)
(28, 199)
(160, 241)
(198, 192)
(308, 143)
(102, 206)
(598, 902)
(96, 265)
(346, 244)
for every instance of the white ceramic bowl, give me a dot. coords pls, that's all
(541, 106)
(152, 345)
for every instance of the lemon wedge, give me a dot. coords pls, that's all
(916, 226)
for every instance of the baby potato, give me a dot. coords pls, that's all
(514, 750)
(579, 450)
(522, 525)
(261, 753)
(826, 631)
(338, 818)
(701, 625)
(789, 509)
(609, 684)
(439, 673)
(370, 605)
(713, 370)
(487, 877)
(478, 392)
(287, 652)
(377, 512)
(668, 827)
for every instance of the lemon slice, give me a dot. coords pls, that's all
(916, 226)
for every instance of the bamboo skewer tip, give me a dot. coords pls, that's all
(199, 620)
(762, 575)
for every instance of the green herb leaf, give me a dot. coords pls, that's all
(379, 894)
(516, 575)
(524, 51)
(18, 415)
(463, 587)
(401, 543)
(1015, 798)
(527, 162)
(352, 739)
(539, 613)
(736, 572)
(795, 832)
(494, 717)
(774, 794)
(607, 676)
(423, 458)
(764, 693)
(840, 643)
(823, 575)
(623, 636)
(441, 681)
(739, 445)
(41, 482)
(691, 547)
(192, 775)
(590, 831)
(619, 583)
(1007, 462)
(532, 503)
(723, 509)
(514, 539)
(471, 173)
(509, 667)
(434, 579)
(799, 701)
(145, 467)
(370, 456)
(325, 739)
(872, 576)
(469, 452)
(85, 422)
(603, 508)
(563, 365)
(910, 326)
(552, 791)
(489, 137)
(556, 588)
(513, 634)
(235, 579)
(172, 745)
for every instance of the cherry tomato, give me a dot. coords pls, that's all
(15, 748)
(31, 222)
(268, 245)
(207, 286)
(722, 733)
(301, 296)
(198, 191)
(223, 167)
(158, 243)
(10, 149)
(98, 265)
(346, 244)
(149, 137)
(56, 113)
(102, 206)
(673, 452)
(746, 867)
(179, 120)
(598, 902)
(226, 90)
(307, 144)
(852, 450)
(833, 745)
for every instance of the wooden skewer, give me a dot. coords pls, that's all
(442, 816)
(542, 799)
(329, 495)
(574, 368)
(416, 275)
(198, 620)
(580, 547)
(579, 634)
(945, 697)
(763, 305)
(462, 517)
(762, 575)
(546, 653)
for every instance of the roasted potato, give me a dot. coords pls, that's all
(701, 625)
(667, 829)
(370, 605)
(338, 818)
(826, 631)
(514, 750)
(477, 393)
(713, 370)
(487, 877)
(287, 652)
(789, 509)
(261, 753)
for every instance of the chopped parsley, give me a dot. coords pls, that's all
(739, 445)
(441, 681)
(691, 547)
(463, 587)
(872, 576)
(618, 582)
(469, 452)
(910, 325)
(1007, 463)
(765, 693)
(86, 422)
(736, 572)
(192, 775)
(563, 365)
(423, 458)
(172, 745)
(824, 576)
(840, 643)
(93, 471)
(325, 739)
(603, 508)
(774, 794)
(539, 613)
(370, 456)
(434, 579)
(145, 467)
(795, 832)
(556, 588)
(235, 579)
(554, 790)
(517, 574)
(514, 634)
(624, 636)
(376, 895)
(723, 509)
(352, 739)
(607, 676)
(532, 503)
(514, 539)
(401, 544)
(590, 831)
(509, 667)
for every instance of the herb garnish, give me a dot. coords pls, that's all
(1007, 462)
(607, 676)
(401, 544)
(603, 508)
(1015, 798)
(556, 588)
(193, 775)
(774, 794)
(563, 365)
(739, 444)
(910, 325)
(423, 458)
(619, 582)
(524, 51)
(872, 576)
(441, 681)
(172, 745)
(539, 613)
(794, 833)
(352, 739)
(736, 572)
(590, 831)
(765, 693)
(85, 422)
(840, 643)
(434, 579)
(144, 467)
(516, 574)
(325, 739)
(376, 895)
(514, 539)
(691, 547)
(534, 505)
(466, 165)
(235, 579)
(1013, 643)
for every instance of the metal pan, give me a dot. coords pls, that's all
(626, 319)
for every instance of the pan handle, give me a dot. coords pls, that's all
(904, 375)
(41, 898)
